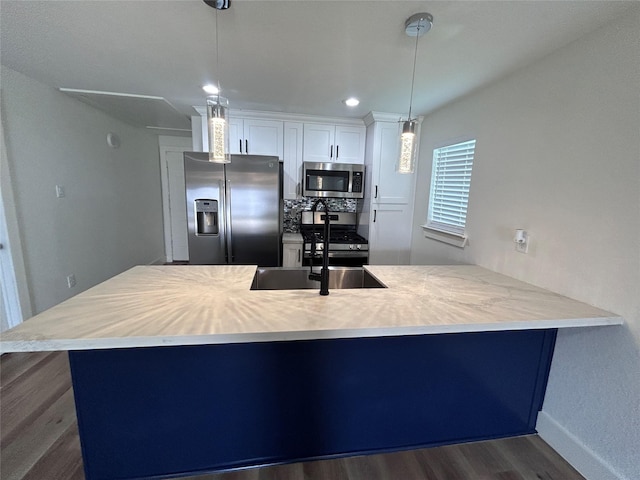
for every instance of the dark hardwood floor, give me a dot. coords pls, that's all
(39, 440)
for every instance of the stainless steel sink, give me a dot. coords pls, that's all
(279, 278)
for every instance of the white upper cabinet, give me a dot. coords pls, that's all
(389, 186)
(250, 136)
(292, 160)
(333, 143)
(236, 135)
(292, 138)
(318, 142)
(350, 143)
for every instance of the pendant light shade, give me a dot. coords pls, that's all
(415, 26)
(218, 129)
(407, 147)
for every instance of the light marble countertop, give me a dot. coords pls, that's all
(194, 305)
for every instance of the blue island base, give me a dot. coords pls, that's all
(162, 412)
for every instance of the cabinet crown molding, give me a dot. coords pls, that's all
(286, 117)
(373, 117)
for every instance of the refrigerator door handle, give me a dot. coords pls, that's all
(229, 233)
(223, 215)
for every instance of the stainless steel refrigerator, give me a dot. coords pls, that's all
(234, 210)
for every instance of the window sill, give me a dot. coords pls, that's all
(459, 241)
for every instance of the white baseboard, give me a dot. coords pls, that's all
(157, 261)
(583, 459)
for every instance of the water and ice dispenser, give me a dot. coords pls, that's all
(206, 217)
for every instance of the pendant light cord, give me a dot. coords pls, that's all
(218, 58)
(413, 78)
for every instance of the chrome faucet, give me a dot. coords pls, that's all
(323, 276)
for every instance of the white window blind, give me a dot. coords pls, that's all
(450, 182)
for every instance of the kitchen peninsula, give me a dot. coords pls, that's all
(184, 369)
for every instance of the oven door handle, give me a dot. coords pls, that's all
(342, 254)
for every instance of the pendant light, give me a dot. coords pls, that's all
(218, 129)
(415, 26)
(217, 115)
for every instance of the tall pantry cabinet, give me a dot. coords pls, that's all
(387, 212)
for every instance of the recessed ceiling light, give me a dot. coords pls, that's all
(212, 89)
(352, 102)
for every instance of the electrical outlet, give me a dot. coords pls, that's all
(523, 247)
(59, 191)
(71, 280)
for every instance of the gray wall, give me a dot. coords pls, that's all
(111, 216)
(558, 154)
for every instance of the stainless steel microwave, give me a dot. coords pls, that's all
(333, 180)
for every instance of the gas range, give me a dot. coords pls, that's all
(346, 246)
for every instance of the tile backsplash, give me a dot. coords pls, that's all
(292, 209)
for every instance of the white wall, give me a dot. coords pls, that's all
(558, 154)
(111, 216)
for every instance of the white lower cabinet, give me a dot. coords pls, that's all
(291, 250)
(390, 234)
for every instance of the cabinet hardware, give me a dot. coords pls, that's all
(375, 214)
(246, 146)
(337, 151)
(299, 259)
(331, 152)
(376, 195)
(240, 142)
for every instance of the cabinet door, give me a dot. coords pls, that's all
(236, 136)
(349, 144)
(318, 145)
(389, 186)
(390, 235)
(263, 137)
(292, 160)
(292, 255)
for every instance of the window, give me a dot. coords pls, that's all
(450, 181)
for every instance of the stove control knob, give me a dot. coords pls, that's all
(358, 247)
(351, 247)
(320, 246)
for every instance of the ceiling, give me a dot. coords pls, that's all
(298, 56)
